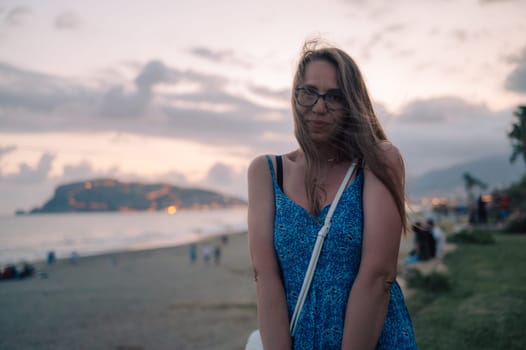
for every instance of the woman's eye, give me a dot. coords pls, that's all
(335, 98)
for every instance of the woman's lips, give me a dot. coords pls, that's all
(318, 124)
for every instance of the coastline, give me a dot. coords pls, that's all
(147, 299)
(133, 300)
(30, 238)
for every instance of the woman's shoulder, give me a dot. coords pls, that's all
(390, 154)
(258, 164)
(262, 160)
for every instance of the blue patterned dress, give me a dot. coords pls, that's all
(320, 324)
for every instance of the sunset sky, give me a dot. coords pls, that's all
(188, 92)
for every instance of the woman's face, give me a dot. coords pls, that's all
(324, 117)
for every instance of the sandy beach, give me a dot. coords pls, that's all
(154, 299)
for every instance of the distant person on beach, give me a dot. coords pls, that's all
(13, 272)
(74, 258)
(217, 254)
(206, 253)
(193, 252)
(51, 258)
(354, 301)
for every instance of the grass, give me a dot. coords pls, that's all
(485, 308)
(476, 237)
(434, 282)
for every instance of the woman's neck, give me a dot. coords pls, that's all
(329, 156)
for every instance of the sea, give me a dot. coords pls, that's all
(29, 238)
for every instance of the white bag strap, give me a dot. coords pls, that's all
(322, 233)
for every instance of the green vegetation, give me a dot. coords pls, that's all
(516, 223)
(485, 307)
(516, 226)
(517, 135)
(517, 192)
(435, 282)
(473, 237)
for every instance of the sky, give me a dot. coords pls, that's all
(189, 92)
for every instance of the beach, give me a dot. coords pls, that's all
(136, 300)
(151, 299)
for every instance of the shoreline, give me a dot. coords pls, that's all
(203, 238)
(114, 256)
(31, 238)
(145, 299)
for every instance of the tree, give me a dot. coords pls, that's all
(517, 135)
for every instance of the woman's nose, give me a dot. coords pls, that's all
(320, 106)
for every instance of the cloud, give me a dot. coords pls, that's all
(516, 79)
(218, 56)
(117, 102)
(395, 27)
(31, 175)
(221, 174)
(154, 72)
(442, 110)
(30, 187)
(460, 35)
(68, 21)
(205, 52)
(387, 37)
(85, 170)
(241, 126)
(431, 132)
(120, 102)
(282, 94)
(173, 177)
(77, 172)
(6, 150)
(25, 92)
(439, 132)
(225, 179)
(17, 15)
(148, 104)
(488, 2)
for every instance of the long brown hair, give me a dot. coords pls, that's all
(359, 134)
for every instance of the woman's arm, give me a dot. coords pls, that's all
(369, 296)
(272, 306)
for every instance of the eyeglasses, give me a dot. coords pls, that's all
(307, 97)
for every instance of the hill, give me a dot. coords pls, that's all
(495, 171)
(112, 195)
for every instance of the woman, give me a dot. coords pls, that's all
(354, 301)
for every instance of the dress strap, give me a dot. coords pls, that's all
(279, 174)
(271, 167)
